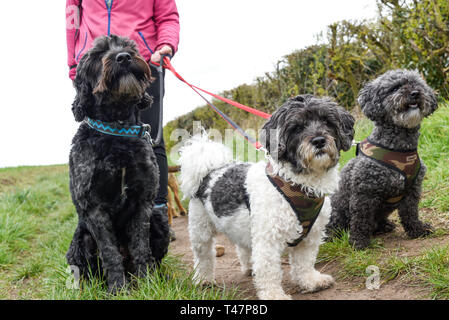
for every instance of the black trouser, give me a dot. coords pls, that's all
(151, 117)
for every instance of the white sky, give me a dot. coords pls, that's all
(223, 44)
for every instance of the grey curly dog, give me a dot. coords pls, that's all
(387, 173)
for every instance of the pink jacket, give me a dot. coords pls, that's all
(150, 23)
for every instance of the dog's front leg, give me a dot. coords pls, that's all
(409, 212)
(362, 209)
(302, 261)
(138, 231)
(83, 252)
(266, 258)
(303, 257)
(202, 238)
(100, 226)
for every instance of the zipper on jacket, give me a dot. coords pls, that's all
(82, 49)
(145, 42)
(109, 7)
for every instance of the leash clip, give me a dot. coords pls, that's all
(145, 133)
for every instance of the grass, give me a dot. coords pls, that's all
(37, 220)
(172, 281)
(434, 150)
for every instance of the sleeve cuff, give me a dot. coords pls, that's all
(166, 44)
(72, 72)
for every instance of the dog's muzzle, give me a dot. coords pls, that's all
(318, 153)
(123, 59)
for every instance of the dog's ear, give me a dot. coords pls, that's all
(345, 129)
(83, 98)
(370, 102)
(82, 101)
(145, 102)
(271, 135)
(144, 66)
(430, 99)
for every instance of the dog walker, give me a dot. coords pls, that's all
(160, 70)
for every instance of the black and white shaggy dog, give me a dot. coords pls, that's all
(303, 138)
(114, 179)
(387, 174)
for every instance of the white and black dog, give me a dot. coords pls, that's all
(245, 200)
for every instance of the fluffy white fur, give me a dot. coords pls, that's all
(261, 235)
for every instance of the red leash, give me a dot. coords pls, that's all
(256, 144)
(256, 112)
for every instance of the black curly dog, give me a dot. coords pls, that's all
(114, 179)
(396, 102)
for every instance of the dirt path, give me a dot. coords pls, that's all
(227, 272)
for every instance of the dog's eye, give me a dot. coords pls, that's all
(396, 88)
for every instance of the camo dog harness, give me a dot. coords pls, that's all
(406, 162)
(307, 208)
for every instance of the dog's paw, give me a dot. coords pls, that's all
(142, 269)
(420, 230)
(315, 281)
(208, 284)
(116, 284)
(385, 227)
(360, 243)
(204, 280)
(273, 295)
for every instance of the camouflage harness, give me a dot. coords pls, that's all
(406, 162)
(307, 208)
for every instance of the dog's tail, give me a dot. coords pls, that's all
(199, 157)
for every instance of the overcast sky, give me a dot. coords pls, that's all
(223, 44)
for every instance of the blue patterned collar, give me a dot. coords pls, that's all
(116, 129)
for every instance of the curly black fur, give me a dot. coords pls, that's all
(114, 180)
(396, 102)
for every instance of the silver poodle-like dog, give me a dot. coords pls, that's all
(387, 173)
(267, 208)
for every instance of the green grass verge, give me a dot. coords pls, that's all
(37, 221)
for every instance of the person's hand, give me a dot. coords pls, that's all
(165, 49)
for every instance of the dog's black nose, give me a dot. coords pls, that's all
(124, 58)
(414, 94)
(319, 142)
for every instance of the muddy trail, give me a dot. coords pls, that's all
(227, 273)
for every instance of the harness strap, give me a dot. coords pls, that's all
(405, 162)
(307, 208)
